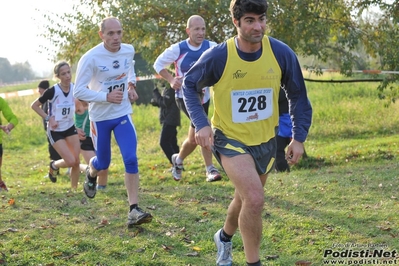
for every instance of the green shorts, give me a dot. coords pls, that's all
(264, 154)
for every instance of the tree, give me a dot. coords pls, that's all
(382, 41)
(5, 71)
(22, 71)
(324, 29)
(17, 72)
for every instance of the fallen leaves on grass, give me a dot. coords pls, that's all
(329, 229)
(46, 226)
(104, 221)
(69, 256)
(12, 230)
(98, 227)
(384, 228)
(137, 230)
(272, 257)
(192, 254)
(303, 263)
(187, 240)
(11, 202)
(57, 254)
(166, 248)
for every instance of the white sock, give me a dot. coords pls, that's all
(53, 166)
(209, 168)
(179, 160)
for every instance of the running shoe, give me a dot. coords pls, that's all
(213, 175)
(3, 186)
(100, 187)
(177, 168)
(52, 172)
(137, 216)
(223, 257)
(89, 187)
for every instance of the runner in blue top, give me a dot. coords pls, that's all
(183, 55)
(246, 72)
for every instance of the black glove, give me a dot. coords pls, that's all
(155, 93)
(153, 102)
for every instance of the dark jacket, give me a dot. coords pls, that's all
(45, 109)
(169, 113)
(285, 123)
(282, 103)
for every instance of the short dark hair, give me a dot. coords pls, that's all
(240, 7)
(44, 84)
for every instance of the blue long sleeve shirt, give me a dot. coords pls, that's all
(209, 68)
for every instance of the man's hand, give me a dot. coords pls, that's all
(176, 82)
(115, 96)
(294, 152)
(133, 96)
(204, 137)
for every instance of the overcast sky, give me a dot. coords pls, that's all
(20, 25)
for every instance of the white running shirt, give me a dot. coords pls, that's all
(183, 55)
(99, 72)
(63, 108)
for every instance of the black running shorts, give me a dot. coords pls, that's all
(264, 154)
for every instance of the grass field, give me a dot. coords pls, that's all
(342, 198)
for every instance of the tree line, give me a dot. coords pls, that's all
(17, 72)
(351, 34)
